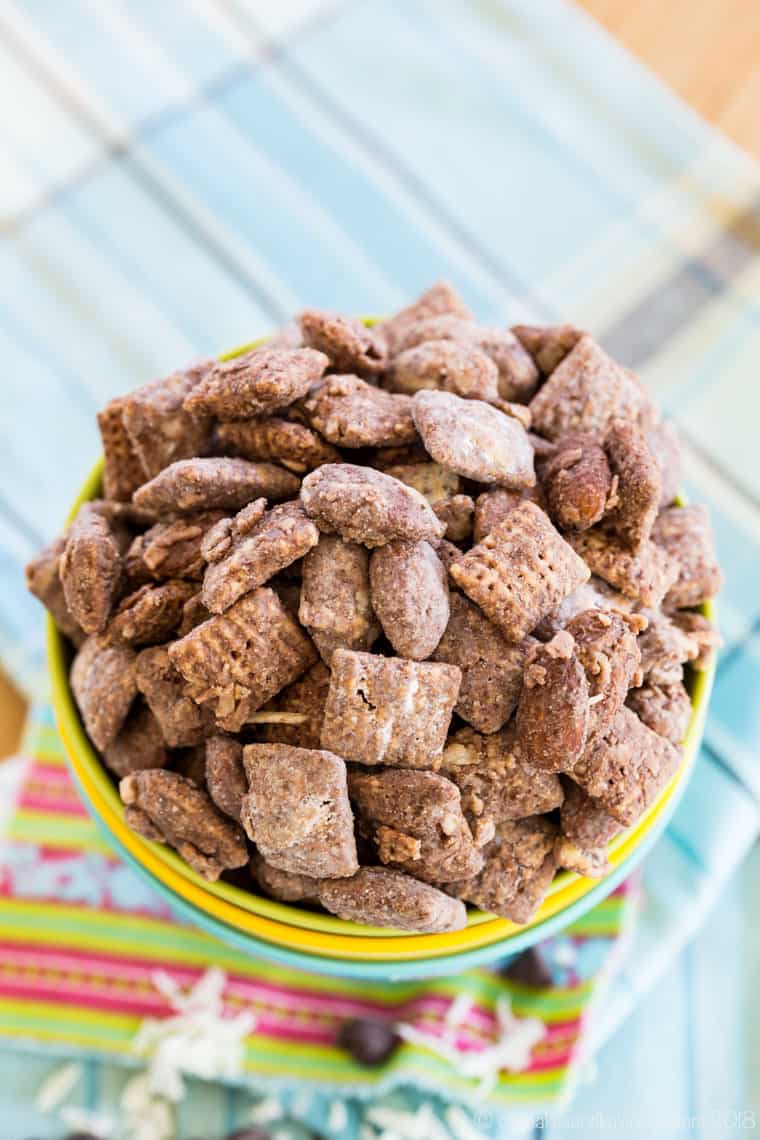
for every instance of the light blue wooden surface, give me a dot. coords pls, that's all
(178, 178)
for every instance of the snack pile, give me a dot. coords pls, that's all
(395, 616)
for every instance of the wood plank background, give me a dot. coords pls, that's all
(706, 50)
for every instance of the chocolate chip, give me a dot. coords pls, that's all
(529, 969)
(369, 1042)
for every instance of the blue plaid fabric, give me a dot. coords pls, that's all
(178, 178)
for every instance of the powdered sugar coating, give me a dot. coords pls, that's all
(410, 596)
(474, 439)
(384, 710)
(367, 506)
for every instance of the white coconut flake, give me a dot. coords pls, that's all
(565, 954)
(512, 1049)
(198, 1041)
(266, 1111)
(301, 1103)
(146, 1116)
(460, 1125)
(595, 699)
(457, 1013)
(56, 1087)
(337, 1117)
(422, 1124)
(85, 1120)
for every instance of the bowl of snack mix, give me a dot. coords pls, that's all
(384, 647)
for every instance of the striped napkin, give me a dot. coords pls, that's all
(81, 939)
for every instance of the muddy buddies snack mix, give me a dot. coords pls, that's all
(390, 618)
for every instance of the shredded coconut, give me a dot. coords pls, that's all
(266, 1111)
(146, 1116)
(84, 1120)
(55, 1088)
(337, 1117)
(511, 1050)
(456, 1014)
(460, 1125)
(197, 1041)
(400, 1123)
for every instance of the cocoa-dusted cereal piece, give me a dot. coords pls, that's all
(517, 374)
(43, 580)
(457, 515)
(377, 896)
(548, 345)
(520, 571)
(441, 489)
(645, 575)
(586, 392)
(491, 507)
(474, 439)
(409, 593)
(666, 709)
(446, 365)
(298, 710)
(583, 820)
(209, 484)
(159, 428)
(686, 534)
(625, 769)
(171, 549)
(607, 648)
(139, 744)
(438, 299)
(297, 810)
(335, 597)
(519, 866)
(137, 821)
(496, 781)
(492, 667)
(702, 632)
(256, 554)
(123, 471)
(191, 763)
(150, 614)
(225, 775)
(416, 821)
(436, 483)
(553, 711)
(447, 552)
(348, 412)
(90, 569)
(187, 820)
(638, 485)
(577, 482)
(292, 444)
(262, 380)
(590, 862)
(665, 648)
(183, 723)
(193, 613)
(666, 448)
(592, 595)
(348, 343)
(284, 885)
(104, 686)
(367, 506)
(384, 710)
(236, 661)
